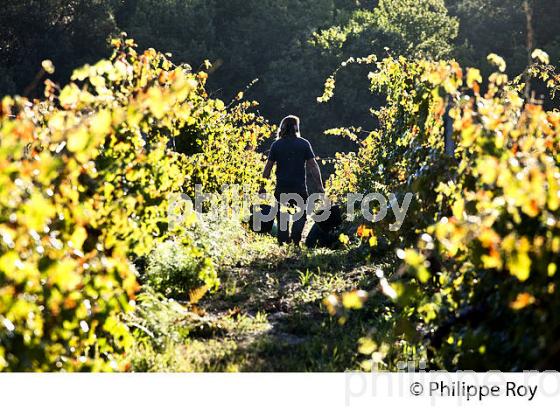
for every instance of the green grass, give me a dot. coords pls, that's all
(267, 315)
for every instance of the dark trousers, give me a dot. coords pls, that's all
(284, 235)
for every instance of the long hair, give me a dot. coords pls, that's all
(289, 127)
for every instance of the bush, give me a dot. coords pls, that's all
(86, 178)
(221, 143)
(177, 271)
(492, 302)
(478, 289)
(61, 288)
(407, 153)
(221, 235)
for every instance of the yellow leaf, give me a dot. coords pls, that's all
(555, 244)
(78, 139)
(429, 311)
(69, 95)
(220, 105)
(413, 258)
(473, 75)
(12, 266)
(423, 274)
(553, 194)
(156, 102)
(344, 239)
(354, 300)
(78, 237)
(366, 346)
(458, 208)
(540, 56)
(366, 365)
(468, 135)
(488, 170)
(489, 238)
(497, 61)
(37, 212)
(418, 262)
(492, 261)
(63, 274)
(48, 66)
(520, 266)
(101, 123)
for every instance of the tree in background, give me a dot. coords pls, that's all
(246, 40)
(184, 28)
(494, 26)
(291, 46)
(70, 33)
(490, 26)
(413, 28)
(546, 14)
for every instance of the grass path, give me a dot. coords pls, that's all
(268, 314)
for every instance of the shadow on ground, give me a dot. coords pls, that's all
(269, 315)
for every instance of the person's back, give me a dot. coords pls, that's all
(290, 155)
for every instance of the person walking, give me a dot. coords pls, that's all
(292, 155)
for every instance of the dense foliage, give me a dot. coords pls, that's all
(407, 152)
(94, 160)
(478, 289)
(493, 302)
(289, 45)
(87, 177)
